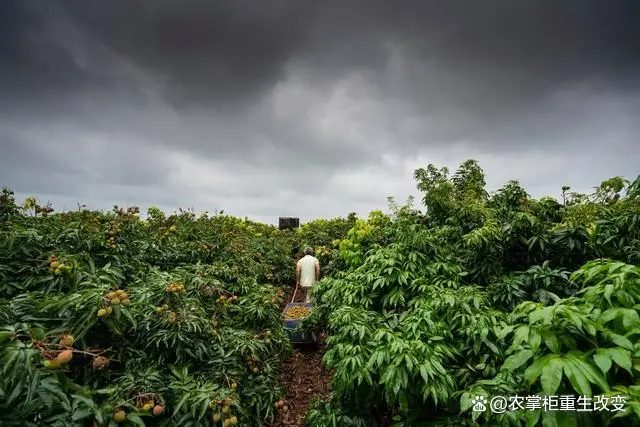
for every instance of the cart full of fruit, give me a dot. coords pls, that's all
(293, 314)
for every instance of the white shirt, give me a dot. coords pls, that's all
(307, 266)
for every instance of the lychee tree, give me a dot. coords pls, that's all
(108, 319)
(484, 295)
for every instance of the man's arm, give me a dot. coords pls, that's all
(298, 274)
(317, 270)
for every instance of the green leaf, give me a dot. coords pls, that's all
(515, 361)
(82, 414)
(465, 402)
(532, 418)
(17, 391)
(136, 420)
(621, 357)
(32, 389)
(566, 419)
(181, 403)
(631, 319)
(545, 314)
(552, 376)
(521, 335)
(534, 339)
(38, 333)
(608, 291)
(621, 341)
(603, 360)
(551, 341)
(592, 374)
(532, 373)
(578, 380)
(549, 419)
(6, 335)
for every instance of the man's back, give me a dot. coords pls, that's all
(308, 265)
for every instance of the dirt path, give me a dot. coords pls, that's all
(304, 379)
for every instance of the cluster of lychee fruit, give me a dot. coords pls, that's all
(282, 406)
(254, 364)
(117, 297)
(171, 316)
(267, 337)
(114, 229)
(63, 357)
(169, 230)
(100, 362)
(105, 311)
(226, 301)
(130, 212)
(120, 415)
(175, 288)
(150, 405)
(222, 408)
(57, 267)
(162, 308)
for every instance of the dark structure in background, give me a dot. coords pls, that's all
(288, 223)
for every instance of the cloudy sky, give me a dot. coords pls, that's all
(311, 109)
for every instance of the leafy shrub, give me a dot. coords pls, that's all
(484, 295)
(478, 294)
(194, 331)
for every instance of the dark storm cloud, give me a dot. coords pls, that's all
(209, 51)
(256, 103)
(215, 52)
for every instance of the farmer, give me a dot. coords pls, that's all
(307, 273)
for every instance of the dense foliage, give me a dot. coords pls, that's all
(485, 295)
(176, 320)
(166, 321)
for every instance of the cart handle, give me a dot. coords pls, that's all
(294, 295)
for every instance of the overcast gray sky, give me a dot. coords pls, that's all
(311, 109)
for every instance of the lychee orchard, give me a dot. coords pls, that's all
(430, 311)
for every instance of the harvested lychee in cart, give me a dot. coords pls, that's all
(297, 312)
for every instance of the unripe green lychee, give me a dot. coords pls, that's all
(119, 416)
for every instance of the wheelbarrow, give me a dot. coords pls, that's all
(296, 336)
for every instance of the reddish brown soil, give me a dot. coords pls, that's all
(304, 379)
